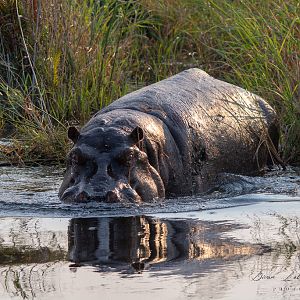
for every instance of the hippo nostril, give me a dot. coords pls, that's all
(111, 197)
(67, 196)
(110, 171)
(83, 197)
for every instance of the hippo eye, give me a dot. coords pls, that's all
(110, 171)
(93, 168)
(125, 157)
(77, 159)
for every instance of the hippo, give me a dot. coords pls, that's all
(172, 138)
(137, 242)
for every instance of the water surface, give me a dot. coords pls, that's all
(243, 238)
(33, 192)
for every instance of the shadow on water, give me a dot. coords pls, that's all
(173, 249)
(43, 258)
(134, 243)
(31, 258)
(121, 243)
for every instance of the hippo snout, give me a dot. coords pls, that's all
(70, 196)
(82, 197)
(122, 192)
(112, 197)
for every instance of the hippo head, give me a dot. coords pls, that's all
(109, 165)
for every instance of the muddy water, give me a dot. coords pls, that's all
(241, 239)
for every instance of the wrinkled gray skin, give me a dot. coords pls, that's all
(168, 139)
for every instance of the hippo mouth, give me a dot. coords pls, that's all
(121, 193)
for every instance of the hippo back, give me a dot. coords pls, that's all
(217, 127)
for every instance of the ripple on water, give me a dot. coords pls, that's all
(32, 191)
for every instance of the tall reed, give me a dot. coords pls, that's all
(61, 61)
(254, 44)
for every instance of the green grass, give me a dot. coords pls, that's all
(61, 61)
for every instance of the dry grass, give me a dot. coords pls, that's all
(60, 61)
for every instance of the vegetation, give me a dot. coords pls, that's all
(60, 61)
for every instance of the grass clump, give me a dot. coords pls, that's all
(71, 58)
(61, 61)
(260, 43)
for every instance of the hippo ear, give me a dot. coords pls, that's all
(73, 134)
(137, 134)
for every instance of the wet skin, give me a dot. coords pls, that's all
(169, 139)
(110, 169)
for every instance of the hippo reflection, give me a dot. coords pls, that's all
(140, 241)
(168, 139)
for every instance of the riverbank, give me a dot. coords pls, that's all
(62, 61)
